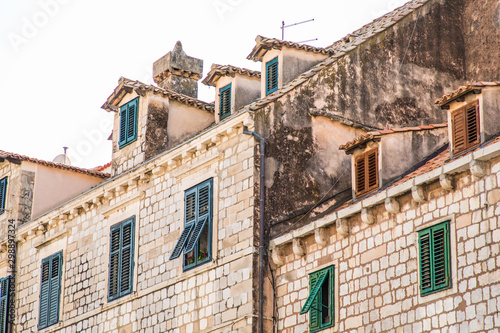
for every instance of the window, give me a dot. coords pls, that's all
(195, 239)
(3, 194)
(128, 123)
(50, 290)
(366, 172)
(320, 303)
(465, 127)
(4, 304)
(225, 101)
(272, 76)
(434, 248)
(121, 259)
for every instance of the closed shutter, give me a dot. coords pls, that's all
(50, 290)
(366, 172)
(3, 194)
(43, 319)
(132, 120)
(372, 169)
(123, 125)
(458, 130)
(4, 304)
(121, 261)
(360, 174)
(272, 76)
(465, 127)
(434, 258)
(472, 123)
(225, 101)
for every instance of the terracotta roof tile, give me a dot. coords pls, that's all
(375, 134)
(445, 99)
(126, 86)
(102, 167)
(61, 166)
(218, 71)
(264, 44)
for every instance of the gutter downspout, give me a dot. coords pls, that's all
(261, 235)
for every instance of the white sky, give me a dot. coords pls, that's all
(61, 59)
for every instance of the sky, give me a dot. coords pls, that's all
(61, 59)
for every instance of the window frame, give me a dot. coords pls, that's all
(366, 172)
(119, 275)
(447, 256)
(273, 62)
(126, 111)
(5, 303)
(314, 299)
(225, 107)
(460, 125)
(3, 194)
(49, 283)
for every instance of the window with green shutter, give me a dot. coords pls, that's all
(196, 240)
(434, 250)
(4, 304)
(225, 101)
(50, 290)
(121, 259)
(320, 302)
(3, 194)
(128, 122)
(272, 76)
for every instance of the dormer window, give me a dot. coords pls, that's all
(128, 123)
(225, 101)
(272, 76)
(465, 127)
(366, 172)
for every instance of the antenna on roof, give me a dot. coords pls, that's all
(283, 26)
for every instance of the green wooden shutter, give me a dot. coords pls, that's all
(434, 252)
(123, 125)
(127, 257)
(272, 76)
(55, 288)
(132, 121)
(43, 319)
(114, 261)
(4, 304)
(181, 241)
(3, 194)
(225, 101)
(315, 282)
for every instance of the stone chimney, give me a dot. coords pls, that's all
(178, 72)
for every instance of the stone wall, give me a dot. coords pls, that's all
(377, 267)
(218, 294)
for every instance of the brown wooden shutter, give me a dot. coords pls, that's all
(372, 169)
(472, 121)
(366, 172)
(458, 130)
(465, 127)
(360, 174)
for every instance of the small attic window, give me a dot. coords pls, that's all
(272, 76)
(366, 172)
(465, 127)
(225, 101)
(128, 123)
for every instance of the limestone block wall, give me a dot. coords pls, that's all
(216, 295)
(377, 266)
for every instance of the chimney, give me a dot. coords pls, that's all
(178, 72)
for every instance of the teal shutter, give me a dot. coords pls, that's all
(272, 76)
(434, 249)
(316, 281)
(128, 122)
(3, 194)
(50, 290)
(4, 304)
(320, 303)
(195, 236)
(225, 101)
(121, 260)
(181, 242)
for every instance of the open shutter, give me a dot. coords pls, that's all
(359, 166)
(181, 241)
(315, 282)
(225, 101)
(195, 236)
(372, 169)
(55, 288)
(440, 251)
(472, 123)
(43, 318)
(126, 265)
(123, 125)
(3, 194)
(132, 120)
(425, 261)
(4, 304)
(272, 76)
(114, 262)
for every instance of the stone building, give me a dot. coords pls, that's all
(197, 228)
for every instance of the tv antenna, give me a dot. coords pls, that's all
(283, 27)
